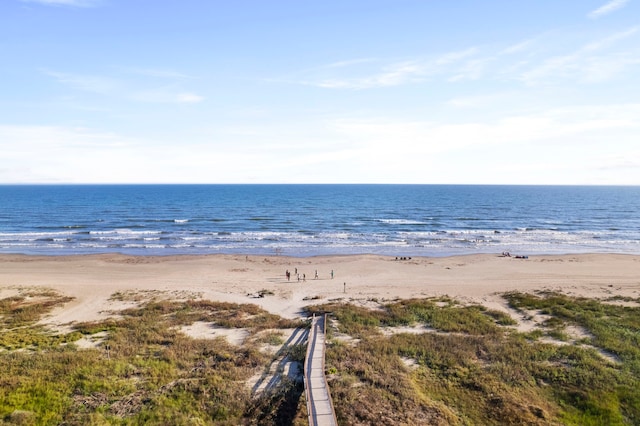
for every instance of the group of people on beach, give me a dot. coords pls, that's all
(507, 254)
(287, 275)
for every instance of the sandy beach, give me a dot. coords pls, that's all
(368, 280)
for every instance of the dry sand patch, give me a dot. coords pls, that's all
(208, 330)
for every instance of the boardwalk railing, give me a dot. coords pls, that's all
(319, 403)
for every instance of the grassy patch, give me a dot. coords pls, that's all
(273, 338)
(19, 313)
(468, 367)
(440, 314)
(471, 369)
(28, 307)
(144, 372)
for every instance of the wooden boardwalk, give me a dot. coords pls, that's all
(319, 403)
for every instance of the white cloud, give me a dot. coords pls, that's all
(59, 154)
(392, 75)
(128, 88)
(589, 63)
(165, 95)
(548, 127)
(595, 61)
(350, 62)
(607, 8)
(37, 139)
(73, 3)
(626, 162)
(516, 48)
(374, 149)
(159, 73)
(609, 41)
(189, 98)
(89, 83)
(480, 101)
(598, 70)
(515, 149)
(80, 155)
(453, 57)
(472, 69)
(406, 72)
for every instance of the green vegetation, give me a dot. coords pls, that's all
(467, 368)
(28, 307)
(427, 361)
(441, 314)
(144, 372)
(19, 313)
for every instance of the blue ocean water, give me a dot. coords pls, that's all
(305, 220)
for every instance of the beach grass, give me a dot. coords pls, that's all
(145, 371)
(418, 361)
(468, 367)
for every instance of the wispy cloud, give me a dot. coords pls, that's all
(517, 48)
(159, 73)
(590, 63)
(401, 72)
(130, 87)
(481, 101)
(350, 62)
(472, 69)
(71, 3)
(607, 8)
(612, 39)
(166, 95)
(537, 60)
(89, 83)
(189, 98)
(392, 75)
(453, 57)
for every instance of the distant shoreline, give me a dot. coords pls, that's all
(176, 256)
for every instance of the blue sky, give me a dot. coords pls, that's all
(332, 91)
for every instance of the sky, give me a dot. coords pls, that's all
(308, 91)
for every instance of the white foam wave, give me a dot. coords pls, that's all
(401, 222)
(125, 231)
(27, 235)
(425, 242)
(144, 246)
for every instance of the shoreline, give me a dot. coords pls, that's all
(434, 255)
(364, 279)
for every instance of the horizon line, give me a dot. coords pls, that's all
(305, 183)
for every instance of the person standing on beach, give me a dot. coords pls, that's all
(316, 277)
(332, 274)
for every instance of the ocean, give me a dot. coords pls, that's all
(307, 220)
